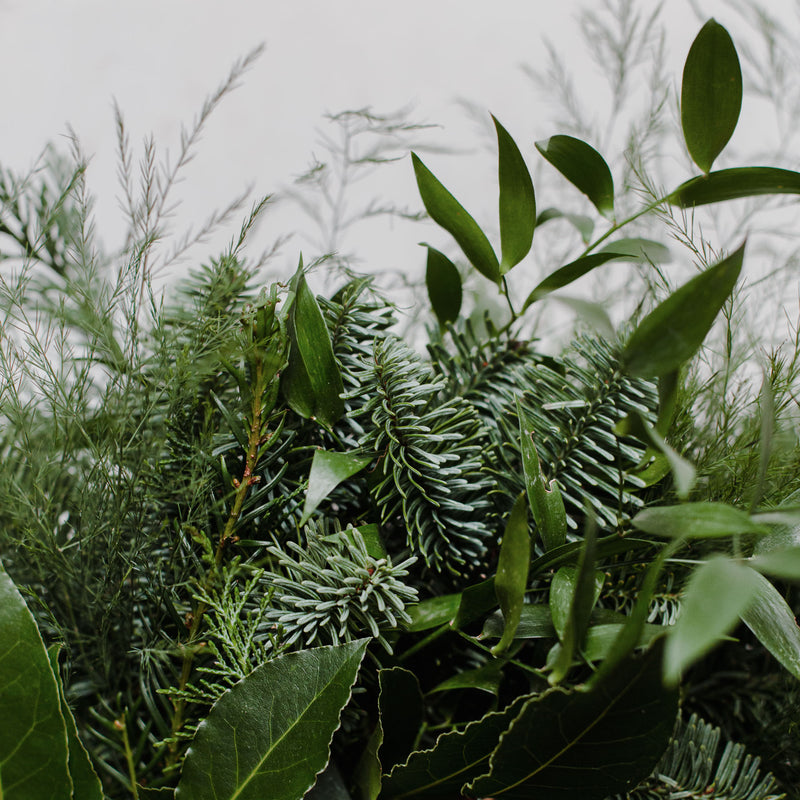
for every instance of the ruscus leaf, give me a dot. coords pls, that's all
(269, 734)
(675, 329)
(711, 94)
(443, 282)
(637, 249)
(734, 184)
(583, 167)
(696, 521)
(517, 201)
(447, 212)
(328, 469)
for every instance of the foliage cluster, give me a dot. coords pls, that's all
(254, 544)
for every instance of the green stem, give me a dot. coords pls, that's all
(505, 292)
(527, 667)
(122, 725)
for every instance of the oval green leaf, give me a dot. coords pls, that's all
(734, 184)
(562, 594)
(717, 593)
(637, 249)
(433, 612)
(535, 622)
(33, 736)
(673, 331)
(443, 282)
(711, 94)
(312, 382)
(772, 621)
(517, 201)
(780, 563)
(511, 579)
(695, 521)
(583, 224)
(583, 167)
(446, 211)
(328, 470)
(269, 735)
(485, 679)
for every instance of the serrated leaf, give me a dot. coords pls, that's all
(311, 382)
(769, 617)
(85, 783)
(711, 94)
(695, 521)
(585, 745)
(717, 593)
(456, 757)
(673, 331)
(269, 734)
(517, 201)
(637, 249)
(734, 184)
(433, 612)
(583, 167)
(511, 579)
(568, 273)
(446, 211)
(328, 470)
(443, 282)
(33, 735)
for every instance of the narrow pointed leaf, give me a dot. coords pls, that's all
(312, 382)
(636, 249)
(433, 612)
(485, 679)
(772, 621)
(33, 735)
(780, 563)
(328, 470)
(734, 184)
(535, 622)
(566, 745)
(562, 596)
(716, 594)
(583, 224)
(269, 735)
(443, 282)
(511, 579)
(601, 641)
(696, 521)
(711, 94)
(583, 167)
(475, 601)
(568, 273)
(445, 210)
(672, 333)
(457, 757)
(517, 201)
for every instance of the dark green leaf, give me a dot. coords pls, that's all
(717, 593)
(562, 595)
(485, 679)
(675, 329)
(445, 210)
(695, 520)
(734, 184)
(636, 249)
(569, 553)
(444, 286)
(773, 622)
(780, 563)
(269, 735)
(585, 745)
(476, 600)
(517, 201)
(328, 470)
(545, 500)
(33, 735)
(329, 786)
(535, 622)
(583, 224)
(456, 757)
(600, 641)
(511, 579)
(312, 383)
(569, 273)
(433, 612)
(583, 167)
(711, 94)
(401, 709)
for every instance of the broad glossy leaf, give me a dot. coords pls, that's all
(583, 224)
(485, 679)
(85, 783)
(695, 521)
(673, 331)
(443, 282)
(711, 94)
(433, 612)
(734, 184)
(583, 167)
(636, 249)
(269, 735)
(517, 201)
(535, 622)
(545, 501)
(445, 210)
(511, 579)
(717, 593)
(568, 273)
(585, 745)
(772, 621)
(457, 757)
(328, 470)
(312, 383)
(33, 735)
